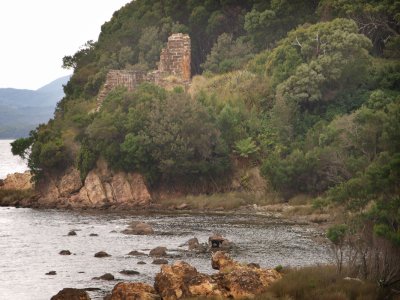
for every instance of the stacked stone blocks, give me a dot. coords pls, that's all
(173, 70)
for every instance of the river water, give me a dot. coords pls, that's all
(30, 242)
(8, 162)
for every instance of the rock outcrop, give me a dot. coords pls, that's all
(181, 280)
(17, 181)
(102, 188)
(71, 294)
(134, 290)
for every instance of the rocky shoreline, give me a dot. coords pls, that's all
(180, 280)
(106, 190)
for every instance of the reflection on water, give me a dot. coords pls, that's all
(30, 241)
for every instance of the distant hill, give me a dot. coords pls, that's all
(22, 110)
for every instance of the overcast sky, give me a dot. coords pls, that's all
(36, 34)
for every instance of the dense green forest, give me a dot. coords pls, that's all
(309, 91)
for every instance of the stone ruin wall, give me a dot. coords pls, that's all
(173, 70)
(176, 57)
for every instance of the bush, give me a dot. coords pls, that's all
(320, 282)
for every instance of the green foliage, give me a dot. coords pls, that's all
(165, 136)
(378, 20)
(227, 55)
(337, 233)
(21, 146)
(246, 147)
(271, 24)
(86, 160)
(320, 282)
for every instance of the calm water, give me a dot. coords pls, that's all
(30, 241)
(8, 162)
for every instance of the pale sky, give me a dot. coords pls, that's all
(36, 34)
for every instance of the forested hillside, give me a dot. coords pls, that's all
(309, 91)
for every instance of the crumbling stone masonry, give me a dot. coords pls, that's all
(175, 58)
(173, 70)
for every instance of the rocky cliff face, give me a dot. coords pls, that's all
(17, 181)
(102, 188)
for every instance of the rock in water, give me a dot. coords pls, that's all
(193, 243)
(102, 254)
(51, 273)
(136, 253)
(134, 291)
(139, 228)
(71, 294)
(65, 252)
(106, 276)
(158, 252)
(72, 233)
(129, 272)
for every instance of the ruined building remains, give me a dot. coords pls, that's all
(173, 70)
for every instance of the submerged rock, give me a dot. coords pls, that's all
(141, 263)
(139, 228)
(72, 233)
(102, 254)
(134, 291)
(129, 272)
(93, 234)
(71, 294)
(160, 261)
(136, 253)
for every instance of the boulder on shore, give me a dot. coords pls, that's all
(180, 280)
(71, 294)
(134, 290)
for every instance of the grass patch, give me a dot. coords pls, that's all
(10, 196)
(225, 201)
(320, 282)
